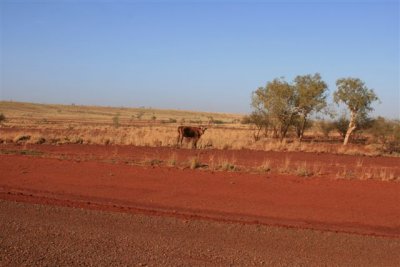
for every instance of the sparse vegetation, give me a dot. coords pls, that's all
(155, 162)
(26, 152)
(265, 166)
(195, 163)
(285, 166)
(227, 166)
(172, 161)
(303, 170)
(93, 126)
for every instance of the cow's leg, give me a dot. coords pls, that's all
(179, 140)
(182, 138)
(195, 143)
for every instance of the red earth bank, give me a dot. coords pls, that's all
(365, 207)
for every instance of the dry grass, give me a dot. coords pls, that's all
(221, 137)
(266, 166)
(227, 166)
(359, 163)
(286, 166)
(47, 114)
(345, 173)
(385, 174)
(303, 170)
(60, 124)
(222, 164)
(195, 163)
(172, 160)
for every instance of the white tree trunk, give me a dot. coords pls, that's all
(352, 127)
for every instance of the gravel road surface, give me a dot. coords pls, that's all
(41, 235)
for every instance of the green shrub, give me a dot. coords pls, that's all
(387, 134)
(326, 127)
(2, 117)
(115, 120)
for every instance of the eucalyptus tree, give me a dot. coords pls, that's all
(357, 97)
(311, 93)
(288, 104)
(277, 101)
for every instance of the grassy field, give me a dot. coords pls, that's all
(112, 125)
(58, 124)
(106, 115)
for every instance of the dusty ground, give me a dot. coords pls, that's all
(41, 235)
(124, 194)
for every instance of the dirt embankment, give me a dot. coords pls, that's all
(98, 177)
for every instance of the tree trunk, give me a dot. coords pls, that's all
(302, 127)
(285, 127)
(256, 134)
(275, 133)
(298, 131)
(352, 127)
(283, 131)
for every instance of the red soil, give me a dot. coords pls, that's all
(91, 177)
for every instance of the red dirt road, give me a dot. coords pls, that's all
(364, 207)
(44, 235)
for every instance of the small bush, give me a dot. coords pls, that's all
(228, 166)
(326, 127)
(172, 161)
(265, 166)
(139, 115)
(115, 120)
(341, 125)
(303, 170)
(40, 140)
(387, 134)
(196, 121)
(155, 162)
(259, 121)
(195, 163)
(2, 117)
(217, 122)
(22, 138)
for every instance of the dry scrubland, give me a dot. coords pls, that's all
(29, 124)
(64, 124)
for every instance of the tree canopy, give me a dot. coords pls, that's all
(277, 101)
(357, 97)
(310, 97)
(288, 104)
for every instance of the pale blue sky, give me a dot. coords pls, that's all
(206, 56)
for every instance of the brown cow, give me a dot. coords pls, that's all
(190, 133)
